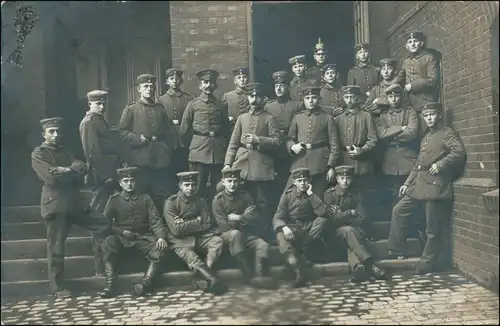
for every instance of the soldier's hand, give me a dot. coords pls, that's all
(161, 244)
(225, 168)
(354, 152)
(375, 101)
(408, 87)
(402, 190)
(234, 217)
(337, 111)
(434, 169)
(297, 148)
(287, 233)
(109, 181)
(404, 128)
(231, 118)
(330, 175)
(144, 139)
(353, 212)
(128, 235)
(334, 209)
(309, 191)
(250, 209)
(252, 139)
(59, 170)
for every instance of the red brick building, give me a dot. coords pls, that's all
(79, 46)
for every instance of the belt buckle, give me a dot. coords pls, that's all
(211, 133)
(153, 138)
(308, 146)
(176, 122)
(419, 167)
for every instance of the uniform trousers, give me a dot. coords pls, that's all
(58, 227)
(209, 243)
(238, 241)
(389, 197)
(179, 164)
(206, 170)
(157, 184)
(303, 235)
(357, 243)
(145, 245)
(282, 167)
(100, 195)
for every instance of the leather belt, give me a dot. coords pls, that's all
(207, 134)
(317, 145)
(421, 167)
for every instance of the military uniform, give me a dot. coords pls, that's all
(363, 75)
(205, 130)
(154, 156)
(236, 100)
(443, 147)
(316, 72)
(331, 94)
(298, 83)
(102, 151)
(135, 213)
(175, 102)
(62, 206)
(349, 223)
(316, 130)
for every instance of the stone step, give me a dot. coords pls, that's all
(92, 285)
(83, 266)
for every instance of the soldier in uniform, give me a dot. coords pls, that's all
(418, 72)
(61, 205)
(146, 126)
(135, 223)
(313, 143)
(429, 184)
(238, 220)
(205, 129)
(331, 95)
(236, 100)
(364, 74)
(175, 101)
(300, 77)
(101, 149)
(320, 56)
(283, 108)
(300, 220)
(346, 203)
(191, 228)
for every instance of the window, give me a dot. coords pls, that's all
(361, 22)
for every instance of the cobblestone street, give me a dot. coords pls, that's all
(434, 299)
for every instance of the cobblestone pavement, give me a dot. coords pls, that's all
(432, 299)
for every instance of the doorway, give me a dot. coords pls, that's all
(283, 29)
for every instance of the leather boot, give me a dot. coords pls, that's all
(145, 285)
(298, 268)
(215, 287)
(245, 267)
(262, 277)
(109, 272)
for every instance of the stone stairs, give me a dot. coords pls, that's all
(24, 259)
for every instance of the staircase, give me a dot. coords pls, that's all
(24, 259)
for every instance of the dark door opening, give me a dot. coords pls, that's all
(283, 30)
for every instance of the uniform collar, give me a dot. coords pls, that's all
(184, 198)
(207, 98)
(147, 103)
(256, 111)
(128, 196)
(314, 111)
(418, 54)
(330, 87)
(385, 83)
(352, 112)
(396, 110)
(341, 191)
(230, 196)
(54, 148)
(300, 194)
(299, 79)
(239, 91)
(437, 127)
(173, 92)
(364, 65)
(283, 99)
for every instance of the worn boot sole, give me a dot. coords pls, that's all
(63, 294)
(139, 289)
(359, 274)
(218, 288)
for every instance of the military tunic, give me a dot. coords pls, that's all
(378, 91)
(296, 86)
(331, 98)
(316, 74)
(135, 213)
(364, 76)
(187, 233)
(237, 103)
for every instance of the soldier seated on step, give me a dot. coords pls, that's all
(238, 219)
(346, 204)
(135, 223)
(300, 219)
(191, 229)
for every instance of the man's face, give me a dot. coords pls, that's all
(147, 90)
(320, 58)
(52, 136)
(431, 118)
(174, 81)
(414, 45)
(301, 183)
(363, 55)
(240, 81)
(281, 89)
(255, 100)
(188, 188)
(344, 181)
(311, 101)
(127, 184)
(394, 100)
(350, 100)
(330, 76)
(207, 87)
(97, 107)
(231, 184)
(387, 72)
(299, 69)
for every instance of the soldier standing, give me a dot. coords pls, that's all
(300, 78)
(299, 221)
(190, 228)
(101, 150)
(238, 220)
(331, 95)
(135, 223)
(320, 56)
(236, 100)
(346, 203)
(205, 129)
(363, 74)
(429, 184)
(175, 101)
(313, 142)
(61, 205)
(146, 126)
(250, 149)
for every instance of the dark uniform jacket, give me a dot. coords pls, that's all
(298, 210)
(256, 162)
(175, 103)
(101, 147)
(364, 76)
(296, 86)
(378, 91)
(181, 215)
(316, 74)
(151, 120)
(400, 147)
(60, 194)
(420, 70)
(205, 129)
(441, 145)
(225, 203)
(316, 129)
(135, 213)
(357, 128)
(237, 103)
(347, 200)
(331, 98)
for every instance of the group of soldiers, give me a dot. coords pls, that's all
(195, 175)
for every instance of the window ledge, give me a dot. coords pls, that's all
(403, 19)
(490, 200)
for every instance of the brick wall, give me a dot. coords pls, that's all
(211, 34)
(460, 31)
